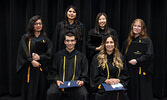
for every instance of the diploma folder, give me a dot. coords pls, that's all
(136, 50)
(115, 87)
(68, 84)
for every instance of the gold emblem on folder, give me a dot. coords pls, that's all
(137, 53)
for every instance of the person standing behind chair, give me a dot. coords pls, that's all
(96, 35)
(140, 69)
(70, 23)
(69, 65)
(33, 57)
(108, 67)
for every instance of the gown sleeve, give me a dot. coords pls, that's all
(124, 77)
(95, 76)
(84, 39)
(149, 53)
(53, 74)
(55, 38)
(147, 59)
(89, 44)
(84, 67)
(23, 57)
(45, 58)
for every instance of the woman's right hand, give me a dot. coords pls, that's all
(98, 48)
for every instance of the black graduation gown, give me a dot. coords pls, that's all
(58, 37)
(98, 76)
(92, 46)
(140, 85)
(56, 73)
(81, 66)
(37, 86)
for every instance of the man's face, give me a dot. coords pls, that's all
(70, 42)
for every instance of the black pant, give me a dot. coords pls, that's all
(76, 93)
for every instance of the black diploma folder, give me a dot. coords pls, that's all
(96, 40)
(41, 47)
(136, 49)
(68, 84)
(115, 87)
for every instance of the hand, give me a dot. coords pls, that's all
(133, 61)
(112, 81)
(116, 81)
(80, 83)
(108, 81)
(35, 63)
(59, 82)
(35, 56)
(98, 48)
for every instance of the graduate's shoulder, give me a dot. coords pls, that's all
(91, 32)
(147, 39)
(80, 53)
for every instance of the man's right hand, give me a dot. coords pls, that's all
(59, 82)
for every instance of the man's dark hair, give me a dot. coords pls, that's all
(70, 34)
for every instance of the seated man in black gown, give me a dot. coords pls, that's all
(69, 65)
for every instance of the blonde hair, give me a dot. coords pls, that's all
(102, 57)
(142, 35)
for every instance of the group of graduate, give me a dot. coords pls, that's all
(45, 64)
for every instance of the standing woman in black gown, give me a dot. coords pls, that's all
(140, 69)
(100, 30)
(33, 57)
(70, 23)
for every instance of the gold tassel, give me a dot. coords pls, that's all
(144, 73)
(62, 89)
(99, 87)
(28, 75)
(139, 70)
(40, 69)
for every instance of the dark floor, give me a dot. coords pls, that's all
(6, 97)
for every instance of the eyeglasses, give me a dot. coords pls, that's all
(69, 41)
(38, 23)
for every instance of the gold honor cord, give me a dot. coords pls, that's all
(108, 74)
(139, 67)
(64, 68)
(28, 74)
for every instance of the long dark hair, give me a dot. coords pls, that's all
(97, 27)
(30, 27)
(76, 23)
(143, 33)
(102, 57)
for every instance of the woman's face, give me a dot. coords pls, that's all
(137, 28)
(102, 21)
(109, 45)
(71, 14)
(38, 26)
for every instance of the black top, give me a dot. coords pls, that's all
(91, 44)
(147, 58)
(63, 56)
(41, 45)
(98, 75)
(59, 34)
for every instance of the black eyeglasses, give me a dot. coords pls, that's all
(38, 23)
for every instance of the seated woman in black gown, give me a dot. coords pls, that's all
(108, 67)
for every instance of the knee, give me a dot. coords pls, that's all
(52, 92)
